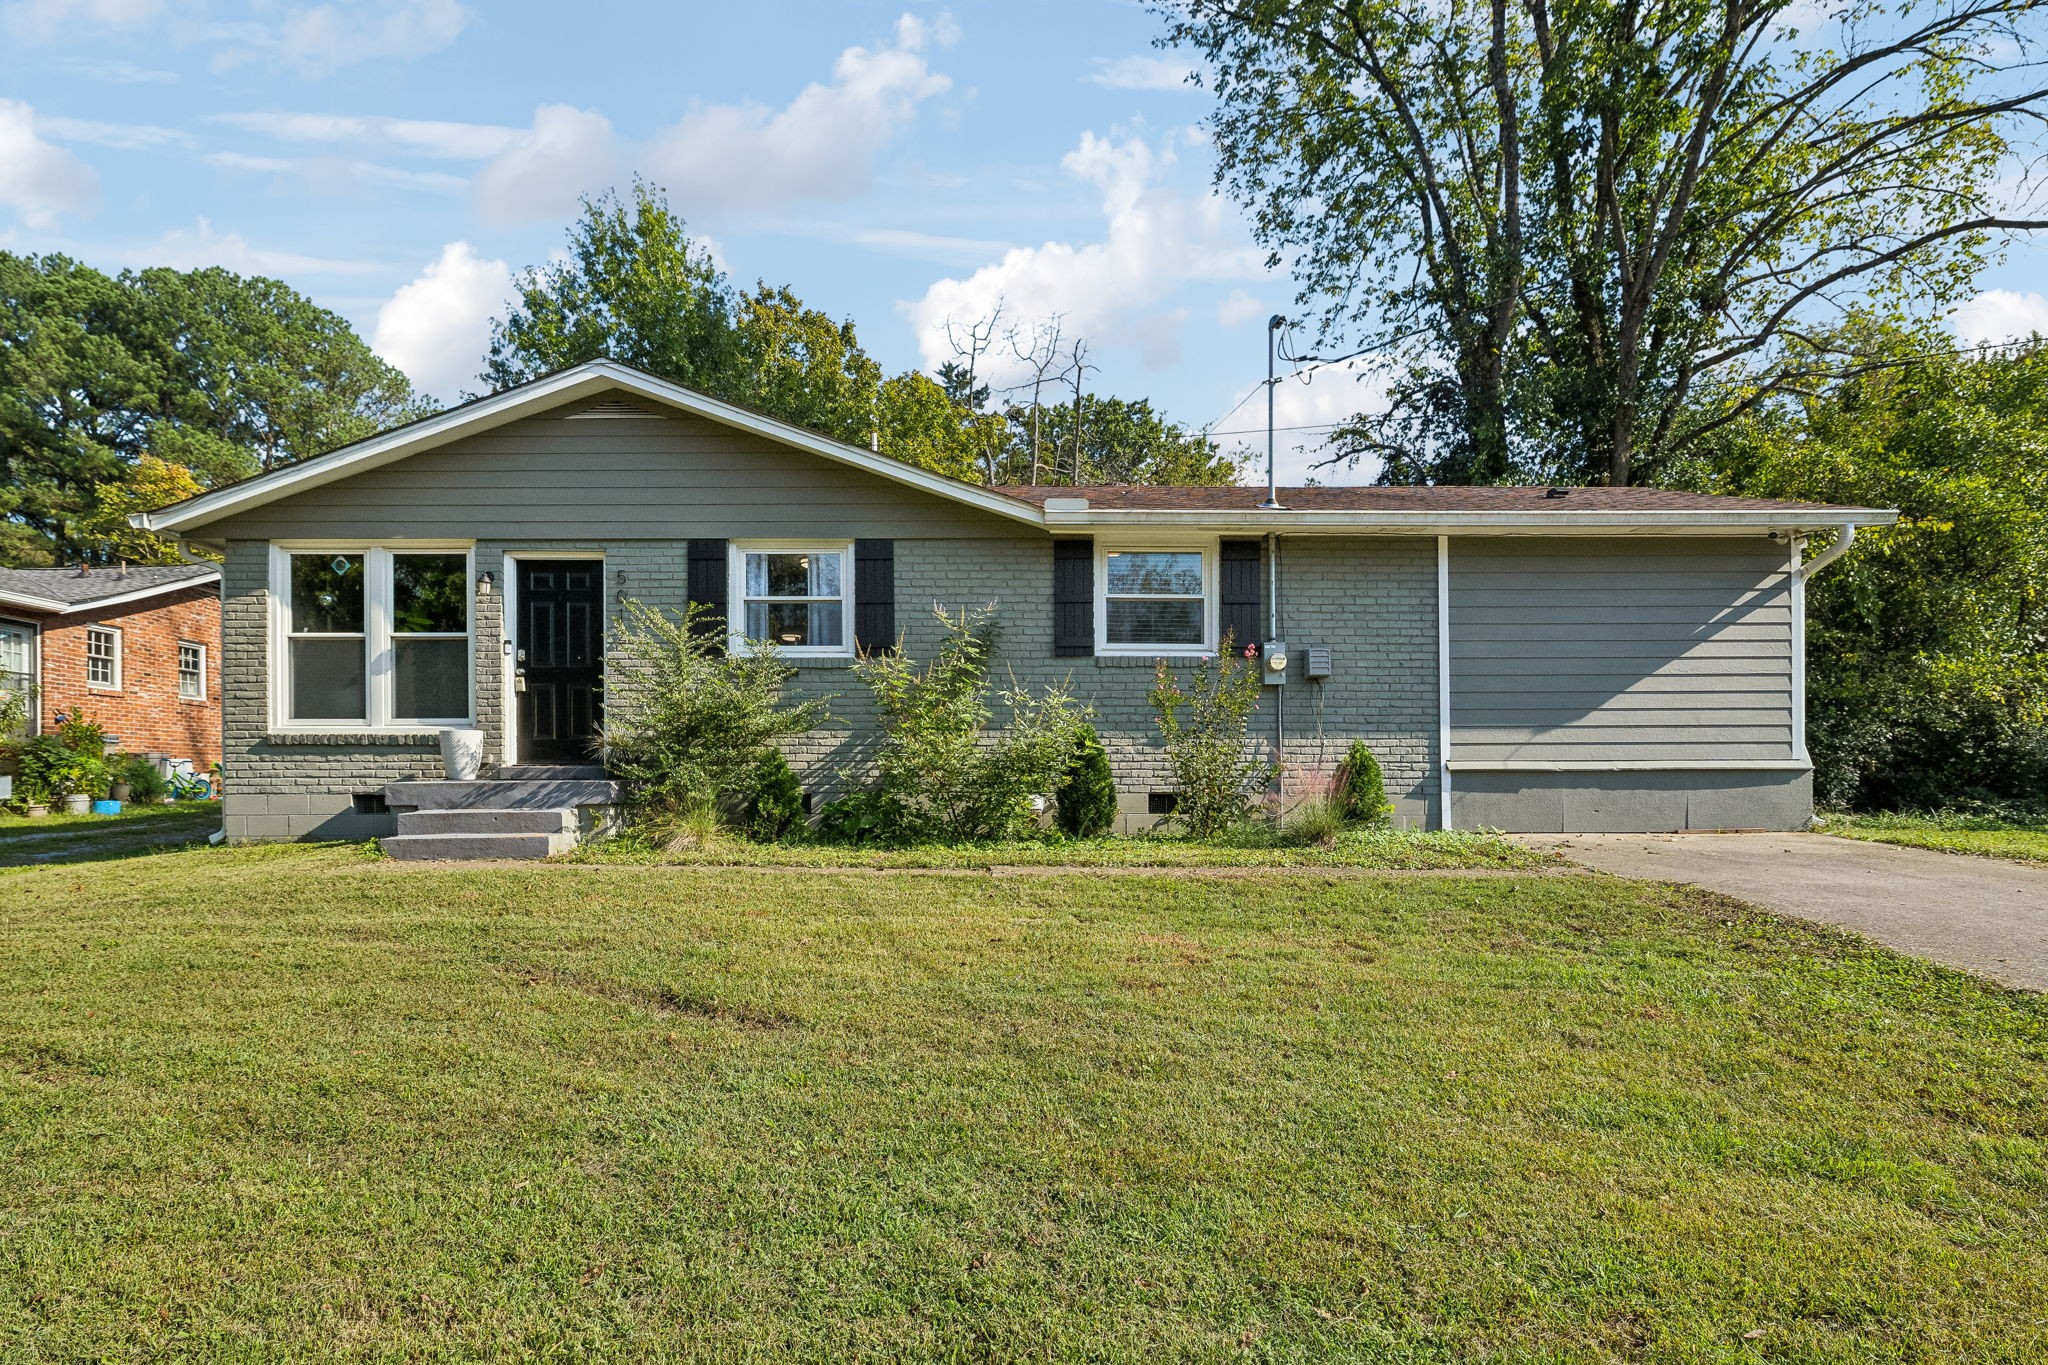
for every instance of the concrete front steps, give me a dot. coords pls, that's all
(531, 815)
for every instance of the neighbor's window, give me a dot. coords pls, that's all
(17, 657)
(794, 597)
(376, 636)
(1155, 599)
(191, 671)
(102, 657)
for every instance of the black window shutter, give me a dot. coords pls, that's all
(708, 566)
(874, 596)
(1237, 596)
(1073, 598)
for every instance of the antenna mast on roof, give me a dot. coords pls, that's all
(1273, 326)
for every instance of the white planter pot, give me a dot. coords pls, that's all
(79, 804)
(462, 754)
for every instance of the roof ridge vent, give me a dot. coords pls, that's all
(1557, 492)
(612, 407)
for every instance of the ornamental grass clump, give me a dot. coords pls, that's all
(942, 772)
(688, 725)
(1218, 774)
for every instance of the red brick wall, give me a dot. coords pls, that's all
(146, 712)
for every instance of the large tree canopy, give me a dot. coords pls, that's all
(212, 374)
(1582, 233)
(1928, 645)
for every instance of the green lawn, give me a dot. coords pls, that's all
(279, 1103)
(75, 838)
(1984, 836)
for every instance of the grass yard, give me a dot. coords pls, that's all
(283, 1103)
(1984, 836)
(73, 838)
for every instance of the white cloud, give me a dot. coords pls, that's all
(39, 180)
(1110, 291)
(200, 245)
(1304, 411)
(438, 327)
(725, 160)
(567, 153)
(2000, 315)
(126, 137)
(1238, 307)
(422, 137)
(335, 175)
(44, 19)
(319, 39)
(1144, 72)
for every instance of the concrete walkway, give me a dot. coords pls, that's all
(1979, 914)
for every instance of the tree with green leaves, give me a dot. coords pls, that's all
(1583, 235)
(1927, 674)
(219, 375)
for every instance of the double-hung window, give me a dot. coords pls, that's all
(103, 658)
(17, 657)
(191, 671)
(1156, 600)
(375, 636)
(796, 597)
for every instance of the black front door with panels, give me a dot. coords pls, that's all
(558, 659)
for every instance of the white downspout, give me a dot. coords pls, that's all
(1829, 555)
(1443, 681)
(1800, 572)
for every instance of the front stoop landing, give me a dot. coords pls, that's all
(533, 815)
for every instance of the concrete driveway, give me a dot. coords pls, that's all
(1979, 914)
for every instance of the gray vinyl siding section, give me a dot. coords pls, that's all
(564, 477)
(1644, 650)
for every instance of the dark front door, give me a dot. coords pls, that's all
(558, 659)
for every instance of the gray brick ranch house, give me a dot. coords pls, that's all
(1523, 658)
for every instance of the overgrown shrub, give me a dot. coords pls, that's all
(686, 723)
(1218, 776)
(1362, 788)
(776, 805)
(942, 772)
(856, 818)
(145, 783)
(1087, 794)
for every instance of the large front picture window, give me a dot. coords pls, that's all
(794, 597)
(1155, 599)
(375, 636)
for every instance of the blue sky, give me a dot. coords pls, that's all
(399, 160)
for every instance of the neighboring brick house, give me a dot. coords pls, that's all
(136, 649)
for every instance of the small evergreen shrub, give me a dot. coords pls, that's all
(686, 724)
(146, 785)
(1087, 795)
(776, 807)
(1362, 789)
(1218, 776)
(942, 772)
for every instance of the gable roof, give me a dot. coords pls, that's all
(587, 380)
(1445, 510)
(69, 590)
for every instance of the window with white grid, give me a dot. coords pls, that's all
(102, 657)
(191, 671)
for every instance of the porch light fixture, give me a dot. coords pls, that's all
(485, 582)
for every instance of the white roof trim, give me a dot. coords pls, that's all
(1355, 521)
(23, 602)
(580, 381)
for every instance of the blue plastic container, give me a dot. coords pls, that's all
(106, 808)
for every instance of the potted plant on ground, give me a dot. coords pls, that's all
(80, 780)
(33, 796)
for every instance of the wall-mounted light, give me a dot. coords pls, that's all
(485, 582)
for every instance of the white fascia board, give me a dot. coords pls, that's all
(582, 381)
(56, 608)
(1732, 522)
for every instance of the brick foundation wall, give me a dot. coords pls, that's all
(146, 711)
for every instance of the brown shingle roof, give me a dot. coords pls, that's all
(1138, 498)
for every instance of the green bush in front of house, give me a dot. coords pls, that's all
(1218, 775)
(1362, 788)
(775, 809)
(1087, 795)
(688, 725)
(943, 772)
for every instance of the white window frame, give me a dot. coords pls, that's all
(183, 695)
(379, 609)
(736, 594)
(113, 632)
(34, 632)
(1205, 546)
